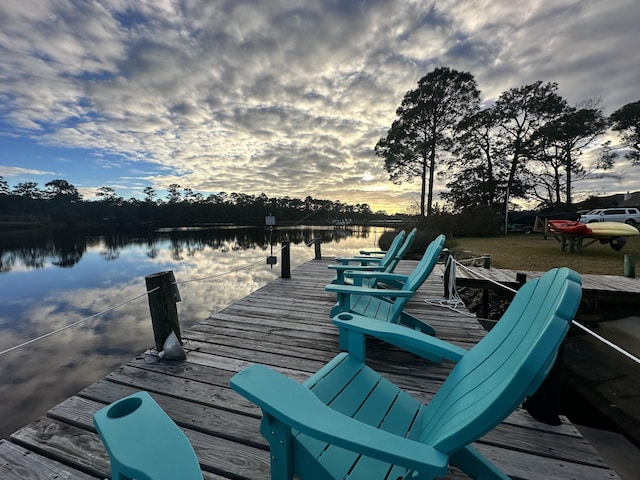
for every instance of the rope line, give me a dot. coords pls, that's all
(607, 342)
(487, 278)
(453, 299)
(221, 274)
(573, 322)
(71, 325)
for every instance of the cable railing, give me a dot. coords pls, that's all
(573, 322)
(126, 302)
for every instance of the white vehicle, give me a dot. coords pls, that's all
(626, 215)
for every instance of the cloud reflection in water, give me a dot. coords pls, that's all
(38, 298)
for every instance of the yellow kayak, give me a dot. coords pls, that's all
(612, 229)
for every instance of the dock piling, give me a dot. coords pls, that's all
(162, 305)
(285, 266)
(629, 266)
(317, 241)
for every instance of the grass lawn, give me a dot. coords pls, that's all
(532, 252)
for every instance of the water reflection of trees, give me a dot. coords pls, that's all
(7, 261)
(65, 248)
(33, 250)
(68, 248)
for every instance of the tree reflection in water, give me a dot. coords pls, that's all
(50, 279)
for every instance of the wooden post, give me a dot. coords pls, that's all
(285, 265)
(446, 276)
(484, 305)
(486, 260)
(317, 241)
(629, 266)
(162, 304)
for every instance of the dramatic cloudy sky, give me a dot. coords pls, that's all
(285, 97)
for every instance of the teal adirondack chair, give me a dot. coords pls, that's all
(380, 253)
(348, 421)
(388, 304)
(143, 442)
(357, 274)
(372, 263)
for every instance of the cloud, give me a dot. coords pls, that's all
(7, 171)
(283, 98)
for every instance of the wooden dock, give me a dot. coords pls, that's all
(284, 325)
(614, 288)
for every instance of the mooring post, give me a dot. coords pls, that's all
(484, 303)
(317, 241)
(285, 265)
(521, 278)
(162, 304)
(486, 260)
(629, 266)
(447, 275)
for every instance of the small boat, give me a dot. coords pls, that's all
(612, 229)
(614, 233)
(569, 227)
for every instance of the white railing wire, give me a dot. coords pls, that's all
(66, 327)
(573, 322)
(71, 325)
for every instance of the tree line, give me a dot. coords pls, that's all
(60, 201)
(526, 145)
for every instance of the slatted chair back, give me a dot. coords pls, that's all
(508, 365)
(367, 261)
(390, 267)
(402, 251)
(392, 252)
(418, 276)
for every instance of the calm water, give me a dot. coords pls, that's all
(50, 280)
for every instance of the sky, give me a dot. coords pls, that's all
(282, 97)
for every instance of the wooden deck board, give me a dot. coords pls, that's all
(596, 286)
(285, 325)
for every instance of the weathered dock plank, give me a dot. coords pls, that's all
(610, 287)
(18, 463)
(285, 325)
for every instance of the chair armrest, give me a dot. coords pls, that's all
(408, 339)
(380, 276)
(296, 406)
(143, 442)
(374, 292)
(360, 260)
(363, 268)
(373, 252)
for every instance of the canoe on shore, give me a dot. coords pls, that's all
(595, 229)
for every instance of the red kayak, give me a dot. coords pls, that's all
(569, 227)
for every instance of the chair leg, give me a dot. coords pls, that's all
(280, 447)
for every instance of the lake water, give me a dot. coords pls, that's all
(49, 280)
